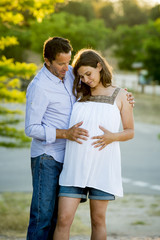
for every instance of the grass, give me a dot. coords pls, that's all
(154, 213)
(14, 216)
(139, 223)
(154, 205)
(14, 213)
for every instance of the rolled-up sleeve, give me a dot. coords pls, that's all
(36, 105)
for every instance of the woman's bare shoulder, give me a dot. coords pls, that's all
(122, 94)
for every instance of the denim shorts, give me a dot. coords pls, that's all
(77, 192)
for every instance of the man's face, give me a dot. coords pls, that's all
(59, 66)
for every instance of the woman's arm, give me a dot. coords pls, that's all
(126, 111)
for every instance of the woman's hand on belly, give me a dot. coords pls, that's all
(103, 140)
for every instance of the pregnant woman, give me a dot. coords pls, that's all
(93, 168)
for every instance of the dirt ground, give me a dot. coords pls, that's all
(117, 238)
(135, 217)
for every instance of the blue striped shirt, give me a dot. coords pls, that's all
(48, 107)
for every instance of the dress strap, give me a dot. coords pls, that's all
(105, 99)
(115, 93)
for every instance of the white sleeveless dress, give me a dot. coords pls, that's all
(86, 166)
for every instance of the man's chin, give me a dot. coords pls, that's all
(62, 75)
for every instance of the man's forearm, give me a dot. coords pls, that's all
(36, 131)
(42, 133)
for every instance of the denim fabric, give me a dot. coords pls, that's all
(78, 192)
(43, 212)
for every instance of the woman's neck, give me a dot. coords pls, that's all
(101, 90)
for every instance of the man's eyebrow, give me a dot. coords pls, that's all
(64, 62)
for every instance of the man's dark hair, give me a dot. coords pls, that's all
(54, 46)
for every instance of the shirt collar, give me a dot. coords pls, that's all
(50, 75)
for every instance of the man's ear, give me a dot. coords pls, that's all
(99, 66)
(48, 63)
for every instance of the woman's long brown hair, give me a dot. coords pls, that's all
(89, 57)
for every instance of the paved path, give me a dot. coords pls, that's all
(140, 164)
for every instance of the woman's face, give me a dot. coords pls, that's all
(90, 75)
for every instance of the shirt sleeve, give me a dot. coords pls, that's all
(36, 105)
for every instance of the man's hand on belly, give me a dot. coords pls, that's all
(75, 133)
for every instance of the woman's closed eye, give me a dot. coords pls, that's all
(88, 74)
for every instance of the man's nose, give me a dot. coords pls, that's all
(66, 67)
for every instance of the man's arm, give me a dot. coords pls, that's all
(36, 106)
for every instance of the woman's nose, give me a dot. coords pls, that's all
(85, 79)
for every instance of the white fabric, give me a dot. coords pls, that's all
(86, 166)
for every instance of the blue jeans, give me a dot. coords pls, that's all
(44, 205)
(78, 192)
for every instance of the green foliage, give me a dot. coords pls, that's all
(151, 57)
(128, 44)
(78, 30)
(108, 14)
(83, 8)
(9, 68)
(14, 15)
(155, 12)
(131, 13)
(5, 111)
(139, 223)
(18, 12)
(22, 41)
(122, 12)
(13, 133)
(138, 44)
(5, 42)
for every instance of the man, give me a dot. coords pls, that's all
(48, 108)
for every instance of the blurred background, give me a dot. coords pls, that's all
(127, 33)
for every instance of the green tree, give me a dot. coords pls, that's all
(151, 58)
(107, 13)
(122, 12)
(155, 12)
(138, 44)
(132, 13)
(15, 13)
(127, 45)
(81, 8)
(78, 30)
